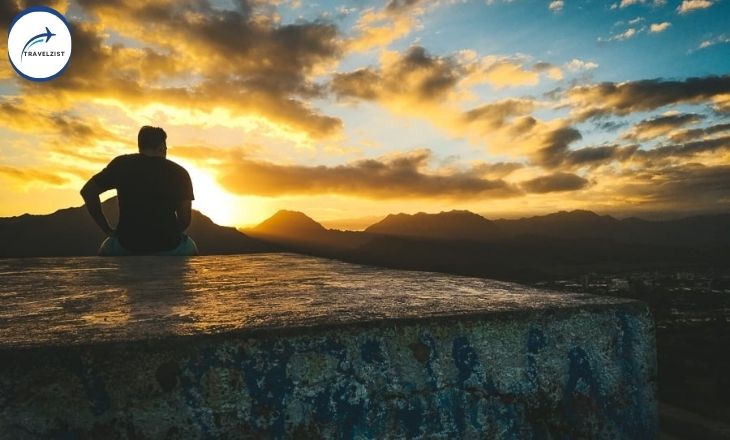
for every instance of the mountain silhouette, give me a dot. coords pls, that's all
(527, 249)
(459, 225)
(289, 224)
(564, 224)
(72, 232)
(460, 242)
(700, 230)
(301, 233)
(578, 224)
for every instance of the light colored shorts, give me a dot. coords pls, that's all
(111, 247)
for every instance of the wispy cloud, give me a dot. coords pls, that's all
(626, 3)
(693, 5)
(719, 39)
(622, 36)
(576, 65)
(556, 5)
(656, 28)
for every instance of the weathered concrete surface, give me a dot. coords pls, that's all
(279, 345)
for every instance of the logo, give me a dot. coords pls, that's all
(39, 43)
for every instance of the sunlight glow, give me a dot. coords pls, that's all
(210, 198)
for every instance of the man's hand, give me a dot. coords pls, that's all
(90, 192)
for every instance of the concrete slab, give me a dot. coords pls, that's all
(282, 345)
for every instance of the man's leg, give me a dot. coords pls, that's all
(111, 247)
(187, 247)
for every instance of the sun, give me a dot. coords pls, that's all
(210, 199)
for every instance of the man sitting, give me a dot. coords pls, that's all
(155, 197)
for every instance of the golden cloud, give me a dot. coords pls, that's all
(403, 175)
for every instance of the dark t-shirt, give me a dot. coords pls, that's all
(149, 190)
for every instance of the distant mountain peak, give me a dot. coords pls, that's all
(456, 224)
(285, 221)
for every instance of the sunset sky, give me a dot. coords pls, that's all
(348, 111)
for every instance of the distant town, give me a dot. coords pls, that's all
(680, 281)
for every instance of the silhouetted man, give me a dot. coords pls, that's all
(155, 197)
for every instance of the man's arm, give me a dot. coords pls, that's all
(90, 192)
(183, 212)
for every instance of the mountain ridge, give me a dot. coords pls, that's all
(72, 232)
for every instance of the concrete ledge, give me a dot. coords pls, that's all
(541, 367)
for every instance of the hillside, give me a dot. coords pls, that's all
(460, 225)
(72, 232)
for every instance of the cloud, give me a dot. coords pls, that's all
(496, 170)
(644, 95)
(627, 3)
(434, 88)
(414, 76)
(408, 80)
(556, 182)
(661, 125)
(687, 149)
(554, 146)
(576, 65)
(553, 72)
(242, 60)
(719, 39)
(595, 156)
(508, 74)
(377, 29)
(19, 115)
(625, 35)
(656, 28)
(692, 5)
(497, 114)
(696, 133)
(681, 187)
(556, 5)
(402, 175)
(27, 176)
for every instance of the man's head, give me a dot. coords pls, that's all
(152, 141)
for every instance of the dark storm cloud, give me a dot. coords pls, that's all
(556, 182)
(632, 96)
(400, 176)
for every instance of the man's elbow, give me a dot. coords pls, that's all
(89, 191)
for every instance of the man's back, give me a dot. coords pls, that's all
(149, 190)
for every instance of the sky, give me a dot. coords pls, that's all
(349, 111)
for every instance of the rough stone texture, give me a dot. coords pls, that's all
(281, 345)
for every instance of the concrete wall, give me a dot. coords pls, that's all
(563, 373)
